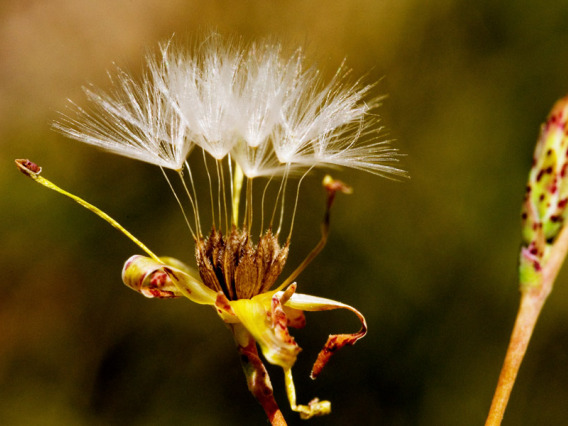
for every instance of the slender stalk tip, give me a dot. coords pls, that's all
(27, 167)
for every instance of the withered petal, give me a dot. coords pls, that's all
(334, 342)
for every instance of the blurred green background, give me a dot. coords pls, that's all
(431, 262)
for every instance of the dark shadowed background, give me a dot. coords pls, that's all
(430, 261)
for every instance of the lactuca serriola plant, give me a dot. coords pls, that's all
(259, 119)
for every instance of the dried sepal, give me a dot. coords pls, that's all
(334, 342)
(265, 319)
(166, 280)
(149, 278)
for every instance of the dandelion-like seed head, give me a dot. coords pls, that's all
(269, 112)
(255, 113)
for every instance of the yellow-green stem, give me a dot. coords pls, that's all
(24, 168)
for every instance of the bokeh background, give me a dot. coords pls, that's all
(430, 261)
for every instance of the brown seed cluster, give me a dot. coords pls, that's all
(234, 265)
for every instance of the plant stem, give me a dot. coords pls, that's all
(532, 301)
(529, 310)
(257, 377)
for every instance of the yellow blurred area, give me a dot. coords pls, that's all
(430, 261)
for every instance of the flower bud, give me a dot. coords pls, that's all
(544, 208)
